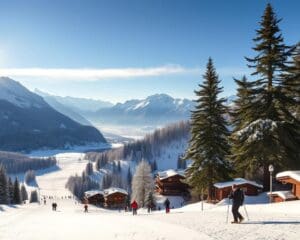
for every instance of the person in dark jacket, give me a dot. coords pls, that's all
(86, 208)
(237, 196)
(167, 205)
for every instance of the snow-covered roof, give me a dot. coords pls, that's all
(283, 194)
(169, 173)
(292, 174)
(93, 193)
(112, 190)
(237, 181)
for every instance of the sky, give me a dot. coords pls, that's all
(122, 49)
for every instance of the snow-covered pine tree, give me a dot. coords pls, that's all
(208, 145)
(29, 176)
(265, 139)
(4, 197)
(17, 193)
(24, 195)
(142, 183)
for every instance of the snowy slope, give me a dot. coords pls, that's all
(35, 222)
(15, 93)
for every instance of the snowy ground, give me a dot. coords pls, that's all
(35, 222)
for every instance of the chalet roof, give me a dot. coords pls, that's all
(237, 181)
(292, 174)
(93, 193)
(169, 173)
(113, 190)
(283, 194)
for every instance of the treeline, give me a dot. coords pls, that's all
(265, 117)
(16, 163)
(80, 184)
(10, 191)
(148, 148)
(113, 178)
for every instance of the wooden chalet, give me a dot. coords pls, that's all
(115, 197)
(94, 197)
(170, 183)
(223, 189)
(293, 179)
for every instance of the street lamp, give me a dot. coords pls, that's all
(271, 170)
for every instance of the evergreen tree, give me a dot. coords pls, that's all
(150, 201)
(208, 146)
(242, 112)
(4, 197)
(24, 195)
(89, 169)
(33, 196)
(17, 193)
(263, 140)
(129, 176)
(119, 166)
(142, 183)
(154, 166)
(10, 191)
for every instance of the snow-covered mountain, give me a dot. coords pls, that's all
(78, 105)
(64, 109)
(155, 109)
(28, 122)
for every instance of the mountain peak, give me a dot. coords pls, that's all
(15, 93)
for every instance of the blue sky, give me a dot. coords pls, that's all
(122, 49)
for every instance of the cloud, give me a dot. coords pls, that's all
(95, 74)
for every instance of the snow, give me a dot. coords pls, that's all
(256, 130)
(35, 222)
(284, 194)
(169, 173)
(292, 174)
(13, 92)
(93, 193)
(113, 190)
(237, 181)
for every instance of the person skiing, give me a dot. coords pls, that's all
(167, 205)
(54, 206)
(134, 207)
(237, 196)
(85, 208)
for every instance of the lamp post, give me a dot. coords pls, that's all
(271, 170)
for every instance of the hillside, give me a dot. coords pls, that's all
(28, 122)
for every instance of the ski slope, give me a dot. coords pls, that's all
(35, 222)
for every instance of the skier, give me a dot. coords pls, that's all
(134, 207)
(237, 196)
(167, 205)
(44, 201)
(54, 206)
(85, 208)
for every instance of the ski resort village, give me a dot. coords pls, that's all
(204, 150)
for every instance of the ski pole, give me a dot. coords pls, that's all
(246, 212)
(227, 210)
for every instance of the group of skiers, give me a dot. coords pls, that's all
(134, 206)
(236, 195)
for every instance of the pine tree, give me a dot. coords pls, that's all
(10, 191)
(17, 193)
(150, 201)
(142, 183)
(4, 197)
(208, 146)
(24, 195)
(119, 167)
(129, 176)
(242, 112)
(89, 169)
(33, 196)
(264, 140)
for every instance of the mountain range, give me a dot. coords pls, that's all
(28, 122)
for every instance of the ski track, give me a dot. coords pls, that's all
(277, 221)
